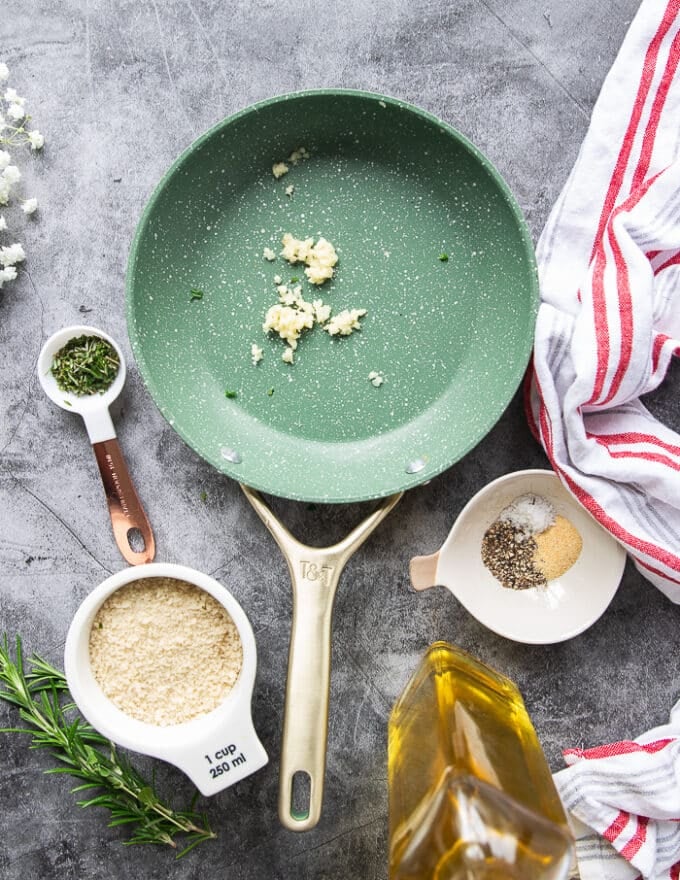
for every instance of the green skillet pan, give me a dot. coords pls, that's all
(430, 242)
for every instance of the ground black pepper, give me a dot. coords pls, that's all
(509, 556)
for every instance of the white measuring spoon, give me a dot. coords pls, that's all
(125, 508)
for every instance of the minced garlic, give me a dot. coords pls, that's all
(269, 254)
(281, 168)
(320, 257)
(345, 322)
(322, 312)
(376, 378)
(288, 322)
(164, 651)
(256, 354)
(292, 315)
(297, 155)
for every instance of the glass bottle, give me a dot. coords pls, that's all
(471, 796)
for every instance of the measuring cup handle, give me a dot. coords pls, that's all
(125, 508)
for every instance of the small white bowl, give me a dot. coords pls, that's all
(562, 609)
(215, 750)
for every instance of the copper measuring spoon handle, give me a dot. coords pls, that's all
(125, 508)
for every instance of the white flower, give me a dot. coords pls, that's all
(12, 97)
(16, 111)
(3, 222)
(7, 274)
(4, 191)
(36, 140)
(11, 174)
(3, 123)
(12, 254)
(29, 206)
(4, 71)
(5, 159)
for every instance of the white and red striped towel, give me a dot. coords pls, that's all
(609, 320)
(625, 797)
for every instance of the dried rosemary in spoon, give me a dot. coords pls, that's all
(41, 695)
(85, 365)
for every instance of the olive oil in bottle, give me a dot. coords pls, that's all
(471, 796)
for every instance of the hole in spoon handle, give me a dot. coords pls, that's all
(128, 518)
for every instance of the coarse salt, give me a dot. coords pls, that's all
(529, 514)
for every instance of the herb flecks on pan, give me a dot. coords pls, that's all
(41, 696)
(85, 365)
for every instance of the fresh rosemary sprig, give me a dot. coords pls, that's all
(41, 696)
(85, 365)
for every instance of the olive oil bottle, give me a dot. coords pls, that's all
(471, 796)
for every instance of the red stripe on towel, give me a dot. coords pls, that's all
(616, 180)
(625, 310)
(657, 108)
(633, 437)
(656, 457)
(648, 69)
(616, 827)
(661, 574)
(637, 840)
(671, 261)
(624, 747)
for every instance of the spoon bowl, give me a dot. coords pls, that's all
(83, 404)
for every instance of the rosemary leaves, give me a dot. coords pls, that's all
(41, 696)
(85, 365)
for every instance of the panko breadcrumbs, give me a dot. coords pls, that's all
(164, 651)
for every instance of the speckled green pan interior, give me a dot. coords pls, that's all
(393, 189)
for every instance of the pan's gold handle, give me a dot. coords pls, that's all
(315, 573)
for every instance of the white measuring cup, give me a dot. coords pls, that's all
(214, 750)
(125, 508)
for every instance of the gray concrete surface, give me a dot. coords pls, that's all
(120, 87)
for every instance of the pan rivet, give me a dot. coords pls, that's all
(231, 455)
(413, 467)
